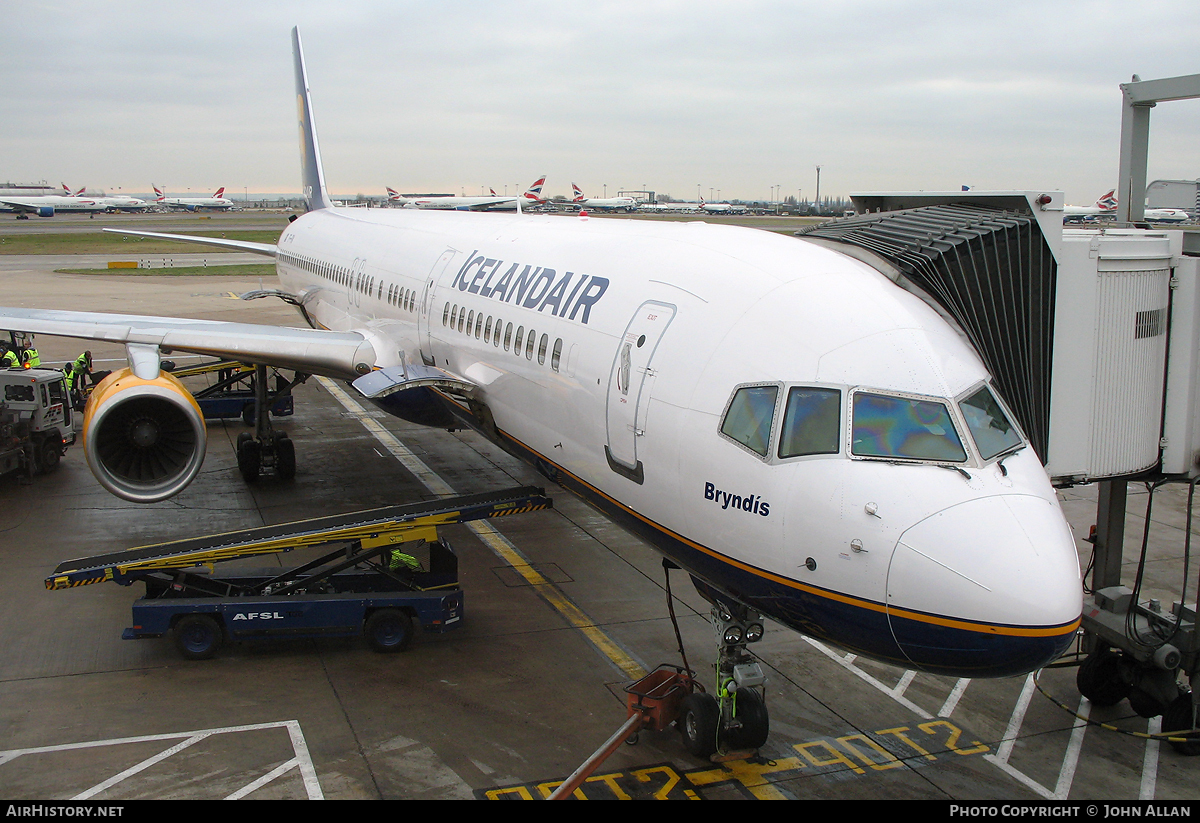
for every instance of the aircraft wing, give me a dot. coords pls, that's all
(343, 355)
(19, 205)
(268, 249)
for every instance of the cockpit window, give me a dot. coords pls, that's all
(750, 415)
(992, 430)
(904, 428)
(811, 423)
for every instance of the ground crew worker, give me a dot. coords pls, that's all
(398, 561)
(30, 357)
(10, 360)
(78, 370)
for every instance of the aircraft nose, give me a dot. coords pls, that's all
(985, 588)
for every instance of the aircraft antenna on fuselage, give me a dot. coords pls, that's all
(312, 176)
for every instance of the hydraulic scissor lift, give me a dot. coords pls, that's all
(388, 570)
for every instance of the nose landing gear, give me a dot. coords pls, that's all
(734, 717)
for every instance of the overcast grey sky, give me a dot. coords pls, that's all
(451, 96)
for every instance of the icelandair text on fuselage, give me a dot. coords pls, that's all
(533, 287)
(1088, 810)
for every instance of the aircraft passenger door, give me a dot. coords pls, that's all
(426, 314)
(629, 385)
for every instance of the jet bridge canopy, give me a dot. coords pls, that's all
(989, 266)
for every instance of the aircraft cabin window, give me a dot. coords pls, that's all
(470, 321)
(478, 325)
(556, 355)
(507, 335)
(812, 422)
(462, 316)
(905, 428)
(542, 349)
(749, 417)
(453, 315)
(487, 330)
(517, 342)
(991, 429)
(529, 344)
(445, 314)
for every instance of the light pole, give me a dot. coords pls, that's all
(817, 199)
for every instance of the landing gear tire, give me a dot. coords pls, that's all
(197, 636)
(285, 457)
(756, 725)
(1178, 718)
(248, 414)
(388, 631)
(1101, 679)
(249, 458)
(699, 716)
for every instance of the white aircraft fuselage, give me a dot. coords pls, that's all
(607, 353)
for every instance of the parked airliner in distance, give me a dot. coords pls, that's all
(217, 202)
(1104, 207)
(112, 203)
(806, 439)
(531, 197)
(48, 205)
(623, 204)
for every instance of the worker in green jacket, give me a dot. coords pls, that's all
(30, 357)
(10, 360)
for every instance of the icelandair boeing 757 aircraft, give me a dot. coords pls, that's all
(806, 439)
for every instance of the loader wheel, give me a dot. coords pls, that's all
(389, 630)
(49, 457)
(1178, 718)
(1101, 678)
(698, 719)
(197, 636)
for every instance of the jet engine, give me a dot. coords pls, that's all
(144, 439)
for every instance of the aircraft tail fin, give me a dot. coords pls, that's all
(577, 192)
(1108, 201)
(160, 196)
(312, 176)
(533, 194)
(220, 193)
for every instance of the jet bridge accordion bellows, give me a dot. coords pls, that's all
(993, 272)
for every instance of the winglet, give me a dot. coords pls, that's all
(312, 177)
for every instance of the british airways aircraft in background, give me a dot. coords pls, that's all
(112, 203)
(1105, 206)
(47, 205)
(625, 204)
(218, 201)
(809, 441)
(532, 196)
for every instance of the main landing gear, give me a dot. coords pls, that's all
(266, 450)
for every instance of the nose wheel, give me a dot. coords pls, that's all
(733, 718)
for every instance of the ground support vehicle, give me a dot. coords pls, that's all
(234, 393)
(363, 586)
(41, 418)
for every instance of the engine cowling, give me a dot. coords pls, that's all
(45, 211)
(144, 439)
